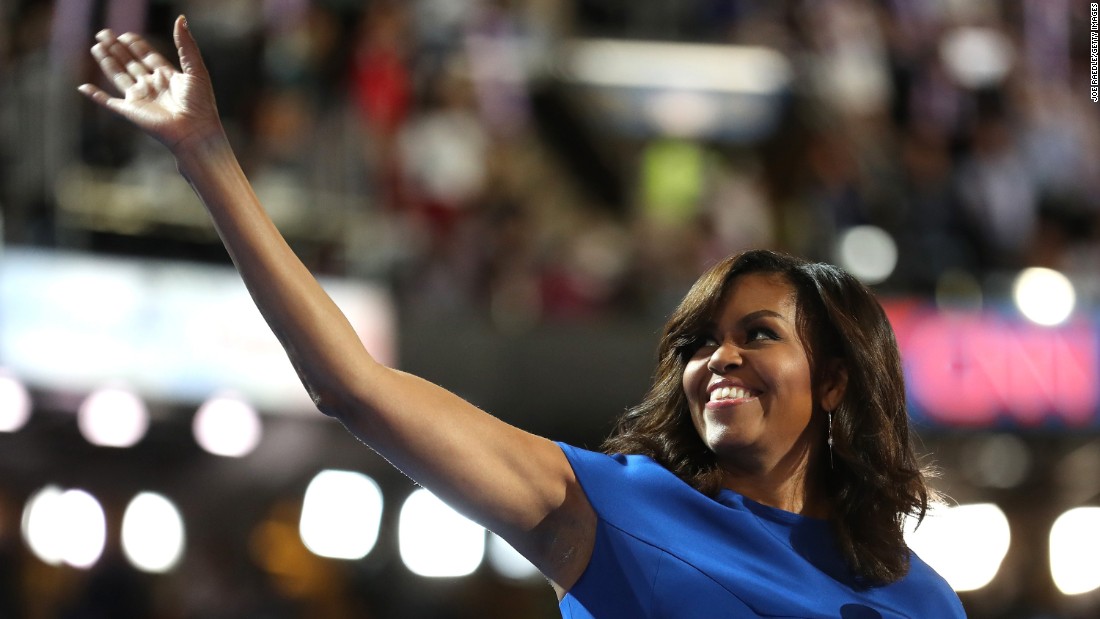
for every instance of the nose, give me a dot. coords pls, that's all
(725, 357)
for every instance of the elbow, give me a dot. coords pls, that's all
(339, 402)
(324, 404)
(329, 402)
(327, 395)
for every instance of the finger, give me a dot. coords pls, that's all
(139, 89)
(137, 70)
(93, 92)
(117, 47)
(162, 77)
(121, 54)
(109, 42)
(105, 36)
(111, 67)
(100, 96)
(190, 58)
(143, 51)
(125, 58)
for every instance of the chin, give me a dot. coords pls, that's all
(730, 446)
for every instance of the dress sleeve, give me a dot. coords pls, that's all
(633, 491)
(604, 478)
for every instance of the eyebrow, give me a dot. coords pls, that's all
(763, 313)
(711, 325)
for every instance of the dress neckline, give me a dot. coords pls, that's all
(734, 499)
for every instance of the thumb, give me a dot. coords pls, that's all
(190, 58)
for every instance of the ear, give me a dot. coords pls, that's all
(832, 389)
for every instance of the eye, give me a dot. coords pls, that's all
(702, 341)
(756, 334)
(690, 345)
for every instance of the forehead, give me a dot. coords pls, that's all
(753, 292)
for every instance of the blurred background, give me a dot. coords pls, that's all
(508, 198)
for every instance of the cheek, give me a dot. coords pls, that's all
(695, 374)
(796, 382)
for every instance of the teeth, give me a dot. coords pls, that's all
(726, 393)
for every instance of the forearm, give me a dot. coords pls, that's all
(322, 345)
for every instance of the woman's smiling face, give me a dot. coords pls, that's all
(748, 384)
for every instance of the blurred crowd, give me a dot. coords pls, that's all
(438, 142)
(442, 147)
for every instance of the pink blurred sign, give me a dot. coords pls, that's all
(972, 370)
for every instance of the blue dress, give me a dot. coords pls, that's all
(665, 550)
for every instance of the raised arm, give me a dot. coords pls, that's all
(514, 483)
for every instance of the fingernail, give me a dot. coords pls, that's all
(183, 19)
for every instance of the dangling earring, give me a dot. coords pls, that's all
(830, 439)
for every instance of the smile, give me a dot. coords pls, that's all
(729, 395)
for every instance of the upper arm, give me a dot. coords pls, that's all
(519, 485)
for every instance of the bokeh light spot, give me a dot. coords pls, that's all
(435, 540)
(341, 515)
(1044, 296)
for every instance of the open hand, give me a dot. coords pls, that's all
(175, 107)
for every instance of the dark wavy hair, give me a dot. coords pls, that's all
(875, 479)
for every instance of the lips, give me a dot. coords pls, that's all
(730, 393)
(725, 393)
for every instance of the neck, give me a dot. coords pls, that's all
(792, 485)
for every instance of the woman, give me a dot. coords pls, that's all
(771, 467)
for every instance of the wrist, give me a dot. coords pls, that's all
(200, 150)
(201, 143)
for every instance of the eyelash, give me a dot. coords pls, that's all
(752, 334)
(766, 332)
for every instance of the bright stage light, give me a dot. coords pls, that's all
(65, 527)
(152, 533)
(226, 425)
(86, 532)
(341, 514)
(660, 65)
(42, 518)
(437, 541)
(113, 417)
(15, 403)
(965, 544)
(1075, 551)
(1044, 296)
(507, 561)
